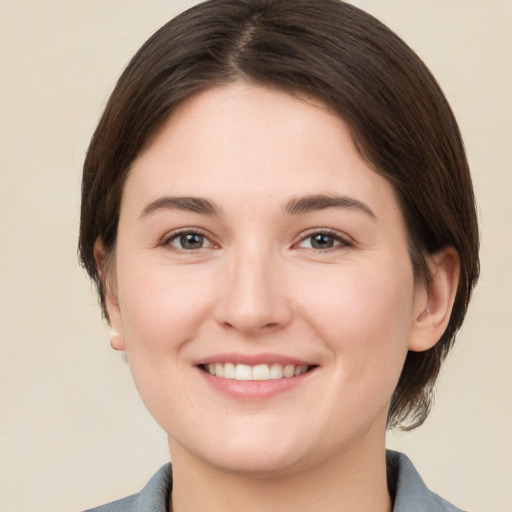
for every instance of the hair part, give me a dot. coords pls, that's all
(329, 51)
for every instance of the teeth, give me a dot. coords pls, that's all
(242, 372)
(276, 371)
(288, 370)
(229, 371)
(258, 372)
(261, 372)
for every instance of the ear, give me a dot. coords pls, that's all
(434, 301)
(106, 269)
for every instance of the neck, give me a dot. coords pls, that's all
(356, 483)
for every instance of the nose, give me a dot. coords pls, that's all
(254, 295)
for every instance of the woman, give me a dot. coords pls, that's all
(278, 214)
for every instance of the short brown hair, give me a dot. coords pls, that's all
(336, 53)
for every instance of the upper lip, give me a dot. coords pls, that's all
(252, 359)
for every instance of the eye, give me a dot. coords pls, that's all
(324, 240)
(188, 241)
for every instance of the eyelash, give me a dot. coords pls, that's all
(338, 239)
(167, 241)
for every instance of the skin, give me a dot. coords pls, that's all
(258, 284)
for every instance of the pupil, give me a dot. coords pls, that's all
(322, 242)
(191, 241)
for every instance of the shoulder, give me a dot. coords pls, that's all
(154, 497)
(411, 493)
(128, 504)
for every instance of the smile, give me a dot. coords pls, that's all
(260, 372)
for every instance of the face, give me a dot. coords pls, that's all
(264, 291)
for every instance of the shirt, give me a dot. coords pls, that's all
(405, 484)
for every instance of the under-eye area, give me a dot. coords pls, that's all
(258, 372)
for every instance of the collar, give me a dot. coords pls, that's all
(406, 487)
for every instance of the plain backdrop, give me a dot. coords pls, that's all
(73, 431)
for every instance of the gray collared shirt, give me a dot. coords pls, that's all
(405, 484)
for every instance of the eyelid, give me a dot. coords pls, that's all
(169, 237)
(343, 239)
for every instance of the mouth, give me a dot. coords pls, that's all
(259, 372)
(246, 377)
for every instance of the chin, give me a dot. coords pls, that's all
(259, 463)
(257, 454)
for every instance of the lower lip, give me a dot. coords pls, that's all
(254, 389)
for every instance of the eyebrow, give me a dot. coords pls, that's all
(312, 203)
(296, 206)
(189, 204)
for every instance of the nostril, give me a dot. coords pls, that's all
(249, 326)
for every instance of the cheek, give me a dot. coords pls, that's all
(161, 312)
(364, 314)
(161, 309)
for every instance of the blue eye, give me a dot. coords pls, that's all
(323, 241)
(189, 241)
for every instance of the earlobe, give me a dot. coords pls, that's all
(435, 306)
(117, 340)
(107, 275)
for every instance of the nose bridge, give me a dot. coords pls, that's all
(254, 296)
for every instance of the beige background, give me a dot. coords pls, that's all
(73, 432)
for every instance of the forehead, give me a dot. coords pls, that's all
(253, 143)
